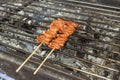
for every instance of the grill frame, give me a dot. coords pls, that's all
(80, 36)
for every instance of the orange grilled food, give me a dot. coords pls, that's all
(58, 33)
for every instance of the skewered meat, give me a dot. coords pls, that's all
(50, 33)
(66, 28)
(42, 38)
(57, 35)
(46, 37)
(58, 42)
(62, 24)
(57, 24)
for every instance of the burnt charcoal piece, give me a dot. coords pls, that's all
(106, 73)
(116, 57)
(95, 52)
(1, 30)
(96, 36)
(44, 48)
(80, 54)
(4, 19)
(29, 27)
(84, 38)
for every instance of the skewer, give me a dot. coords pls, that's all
(18, 69)
(89, 73)
(43, 61)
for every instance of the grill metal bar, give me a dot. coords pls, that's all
(113, 44)
(35, 62)
(83, 22)
(70, 12)
(87, 32)
(69, 47)
(81, 70)
(94, 12)
(117, 38)
(99, 5)
(19, 8)
(63, 11)
(34, 5)
(87, 45)
(98, 76)
(79, 58)
(10, 25)
(94, 16)
(19, 33)
(22, 39)
(88, 53)
(18, 38)
(102, 8)
(76, 20)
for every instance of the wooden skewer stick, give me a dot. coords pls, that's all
(43, 61)
(89, 73)
(18, 69)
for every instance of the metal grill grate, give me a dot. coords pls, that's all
(98, 39)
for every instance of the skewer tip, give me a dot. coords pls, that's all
(35, 72)
(16, 71)
(26, 60)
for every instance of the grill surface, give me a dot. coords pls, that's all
(92, 52)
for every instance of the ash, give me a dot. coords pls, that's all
(36, 18)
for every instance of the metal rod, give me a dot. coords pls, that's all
(11, 47)
(77, 30)
(84, 21)
(83, 14)
(101, 9)
(74, 19)
(16, 27)
(79, 43)
(80, 21)
(31, 36)
(88, 53)
(67, 12)
(20, 39)
(95, 47)
(96, 64)
(77, 5)
(88, 45)
(66, 55)
(89, 73)
(49, 67)
(85, 72)
(106, 14)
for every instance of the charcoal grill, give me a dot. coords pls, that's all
(91, 53)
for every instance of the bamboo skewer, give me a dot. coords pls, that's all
(43, 61)
(89, 73)
(18, 69)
